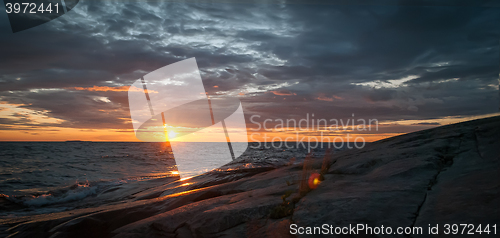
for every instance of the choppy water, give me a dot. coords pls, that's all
(38, 167)
(44, 174)
(42, 177)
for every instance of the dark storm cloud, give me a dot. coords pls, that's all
(427, 124)
(331, 60)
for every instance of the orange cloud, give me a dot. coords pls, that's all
(283, 93)
(109, 89)
(102, 89)
(322, 97)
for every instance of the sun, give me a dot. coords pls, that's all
(171, 134)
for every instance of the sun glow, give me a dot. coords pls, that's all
(171, 134)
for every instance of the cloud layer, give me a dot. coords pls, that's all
(283, 60)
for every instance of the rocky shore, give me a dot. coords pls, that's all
(445, 175)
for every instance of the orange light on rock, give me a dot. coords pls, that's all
(314, 181)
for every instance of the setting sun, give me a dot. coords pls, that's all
(171, 134)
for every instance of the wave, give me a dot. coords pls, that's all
(73, 193)
(76, 192)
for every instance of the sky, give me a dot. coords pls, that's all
(409, 67)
